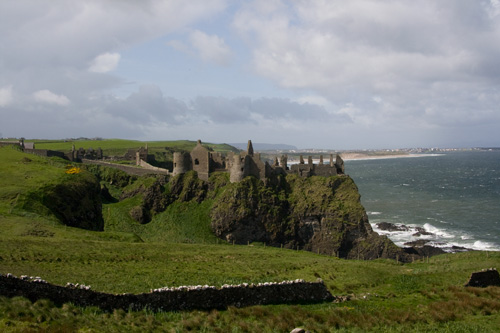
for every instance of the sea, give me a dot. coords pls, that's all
(453, 196)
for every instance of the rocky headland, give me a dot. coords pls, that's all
(319, 214)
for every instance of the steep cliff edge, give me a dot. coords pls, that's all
(318, 214)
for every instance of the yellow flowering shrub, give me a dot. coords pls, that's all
(73, 170)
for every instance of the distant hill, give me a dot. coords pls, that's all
(264, 146)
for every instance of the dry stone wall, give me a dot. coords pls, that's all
(169, 299)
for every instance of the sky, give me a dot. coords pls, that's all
(333, 74)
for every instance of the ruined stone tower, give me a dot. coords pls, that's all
(200, 159)
(182, 163)
(237, 171)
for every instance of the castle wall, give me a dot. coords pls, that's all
(132, 153)
(12, 143)
(46, 153)
(325, 170)
(339, 164)
(148, 166)
(218, 162)
(303, 170)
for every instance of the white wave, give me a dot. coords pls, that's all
(438, 238)
(438, 232)
(484, 246)
(399, 237)
(374, 213)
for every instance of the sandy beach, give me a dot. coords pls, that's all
(361, 156)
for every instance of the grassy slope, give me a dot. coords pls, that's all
(119, 146)
(32, 170)
(388, 296)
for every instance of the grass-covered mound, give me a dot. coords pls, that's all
(50, 189)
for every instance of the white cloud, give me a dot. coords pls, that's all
(315, 100)
(211, 48)
(326, 68)
(47, 96)
(105, 62)
(411, 55)
(6, 96)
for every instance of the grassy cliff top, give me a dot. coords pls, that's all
(120, 146)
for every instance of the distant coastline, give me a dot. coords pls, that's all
(361, 156)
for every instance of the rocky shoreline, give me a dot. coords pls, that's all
(419, 247)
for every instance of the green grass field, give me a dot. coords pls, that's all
(119, 146)
(176, 249)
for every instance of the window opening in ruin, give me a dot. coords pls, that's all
(196, 162)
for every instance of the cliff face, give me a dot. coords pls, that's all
(317, 214)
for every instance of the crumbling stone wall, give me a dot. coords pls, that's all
(170, 299)
(46, 153)
(129, 169)
(146, 165)
(132, 153)
(19, 143)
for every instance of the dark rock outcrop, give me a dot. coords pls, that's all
(154, 199)
(424, 251)
(318, 214)
(387, 226)
(485, 278)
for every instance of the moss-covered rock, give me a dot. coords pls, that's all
(319, 214)
(187, 187)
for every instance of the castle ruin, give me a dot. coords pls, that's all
(249, 163)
